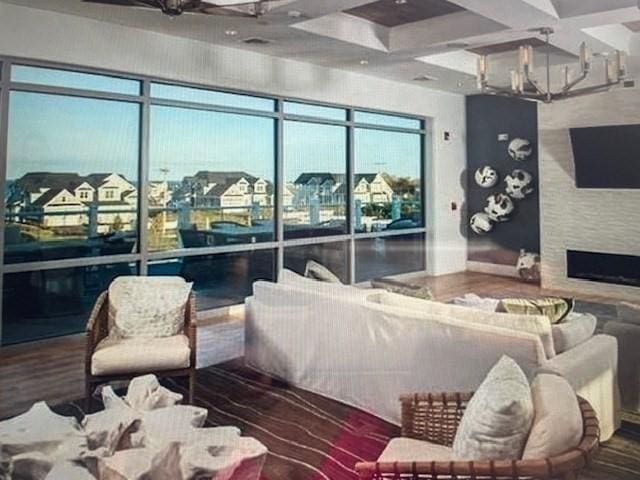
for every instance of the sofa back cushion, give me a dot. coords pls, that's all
(287, 277)
(577, 328)
(498, 417)
(629, 312)
(147, 306)
(557, 422)
(536, 324)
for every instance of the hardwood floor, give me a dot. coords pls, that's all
(53, 370)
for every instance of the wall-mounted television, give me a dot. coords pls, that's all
(607, 157)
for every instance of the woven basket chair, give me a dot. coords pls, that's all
(435, 418)
(98, 329)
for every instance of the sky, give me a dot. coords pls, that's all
(69, 134)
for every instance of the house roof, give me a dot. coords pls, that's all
(44, 199)
(221, 177)
(320, 177)
(32, 182)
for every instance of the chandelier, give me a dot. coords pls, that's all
(524, 85)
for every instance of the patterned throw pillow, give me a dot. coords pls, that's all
(498, 418)
(320, 272)
(148, 306)
(408, 290)
(554, 308)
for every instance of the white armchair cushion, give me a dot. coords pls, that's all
(576, 329)
(557, 422)
(130, 355)
(148, 306)
(403, 449)
(498, 417)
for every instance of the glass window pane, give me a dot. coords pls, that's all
(212, 179)
(211, 97)
(69, 79)
(51, 303)
(387, 120)
(315, 192)
(387, 192)
(72, 177)
(379, 257)
(330, 113)
(331, 255)
(222, 279)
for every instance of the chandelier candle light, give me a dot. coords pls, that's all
(523, 85)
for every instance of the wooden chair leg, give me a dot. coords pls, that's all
(88, 393)
(192, 386)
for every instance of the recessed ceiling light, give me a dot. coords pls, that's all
(231, 32)
(458, 45)
(401, 2)
(424, 78)
(256, 41)
(461, 83)
(364, 62)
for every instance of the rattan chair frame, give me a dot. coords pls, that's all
(98, 329)
(435, 418)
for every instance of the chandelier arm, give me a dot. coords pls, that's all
(507, 92)
(574, 82)
(587, 90)
(534, 83)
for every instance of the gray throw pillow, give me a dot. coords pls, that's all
(319, 272)
(498, 417)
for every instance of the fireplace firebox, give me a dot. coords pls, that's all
(604, 267)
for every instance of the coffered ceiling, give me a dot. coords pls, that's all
(431, 42)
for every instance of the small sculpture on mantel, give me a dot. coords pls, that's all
(528, 266)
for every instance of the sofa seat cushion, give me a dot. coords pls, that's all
(557, 422)
(147, 306)
(538, 325)
(576, 329)
(498, 417)
(403, 449)
(130, 355)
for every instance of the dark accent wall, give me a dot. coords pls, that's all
(487, 117)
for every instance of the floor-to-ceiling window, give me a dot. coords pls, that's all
(106, 175)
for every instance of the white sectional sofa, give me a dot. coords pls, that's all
(366, 347)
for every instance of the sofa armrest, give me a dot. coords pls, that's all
(628, 336)
(591, 369)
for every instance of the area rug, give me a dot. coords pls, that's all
(310, 437)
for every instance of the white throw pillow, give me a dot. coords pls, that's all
(536, 324)
(557, 421)
(498, 417)
(148, 306)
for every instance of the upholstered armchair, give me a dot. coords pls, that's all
(109, 359)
